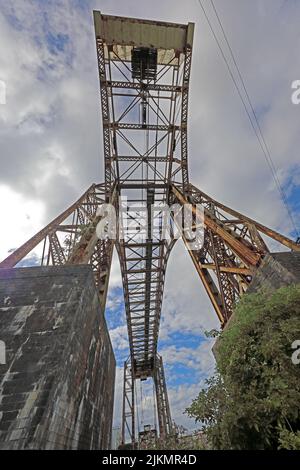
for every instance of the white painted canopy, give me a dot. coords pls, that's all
(122, 34)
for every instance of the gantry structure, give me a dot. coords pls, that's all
(144, 70)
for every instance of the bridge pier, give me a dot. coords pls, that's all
(276, 270)
(57, 385)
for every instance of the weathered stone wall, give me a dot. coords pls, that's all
(277, 270)
(57, 386)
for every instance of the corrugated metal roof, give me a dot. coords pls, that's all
(123, 33)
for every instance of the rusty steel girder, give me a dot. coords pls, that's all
(71, 239)
(232, 249)
(144, 115)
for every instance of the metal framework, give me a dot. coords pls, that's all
(71, 239)
(231, 250)
(144, 70)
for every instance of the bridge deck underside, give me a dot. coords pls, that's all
(143, 270)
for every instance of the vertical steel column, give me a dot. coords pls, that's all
(163, 407)
(109, 181)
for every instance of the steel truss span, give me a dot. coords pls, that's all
(144, 70)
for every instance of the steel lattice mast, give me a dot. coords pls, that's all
(144, 70)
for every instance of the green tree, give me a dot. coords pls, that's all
(253, 401)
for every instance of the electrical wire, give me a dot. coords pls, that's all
(268, 156)
(257, 129)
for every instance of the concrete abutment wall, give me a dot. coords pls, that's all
(276, 270)
(57, 386)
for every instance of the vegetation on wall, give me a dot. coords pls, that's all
(253, 400)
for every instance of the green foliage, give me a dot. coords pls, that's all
(253, 402)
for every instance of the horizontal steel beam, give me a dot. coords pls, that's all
(143, 86)
(21, 252)
(136, 126)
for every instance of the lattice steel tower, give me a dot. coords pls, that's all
(144, 69)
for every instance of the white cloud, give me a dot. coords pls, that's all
(115, 279)
(20, 218)
(186, 307)
(200, 359)
(180, 398)
(119, 337)
(118, 397)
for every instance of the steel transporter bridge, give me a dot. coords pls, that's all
(144, 70)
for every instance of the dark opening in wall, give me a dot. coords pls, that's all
(144, 63)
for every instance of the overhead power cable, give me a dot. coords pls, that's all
(253, 120)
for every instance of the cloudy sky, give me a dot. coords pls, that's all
(51, 142)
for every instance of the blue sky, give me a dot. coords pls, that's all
(51, 142)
